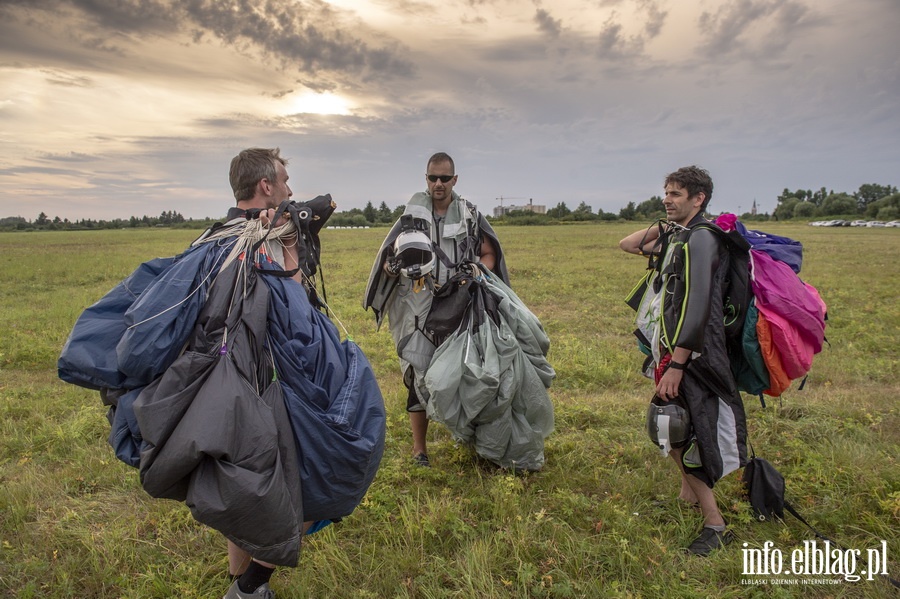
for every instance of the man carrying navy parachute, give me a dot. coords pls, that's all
(229, 388)
(440, 276)
(697, 415)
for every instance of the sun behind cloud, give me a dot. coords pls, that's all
(308, 102)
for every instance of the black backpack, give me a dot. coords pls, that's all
(737, 294)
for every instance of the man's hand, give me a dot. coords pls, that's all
(393, 265)
(668, 384)
(266, 216)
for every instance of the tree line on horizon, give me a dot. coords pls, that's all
(871, 201)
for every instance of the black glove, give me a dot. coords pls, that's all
(393, 265)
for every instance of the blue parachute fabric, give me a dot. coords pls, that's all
(125, 434)
(333, 400)
(88, 358)
(781, 248)
(102, 353)
(159, 322)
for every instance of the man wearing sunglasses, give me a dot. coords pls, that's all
(458, 234)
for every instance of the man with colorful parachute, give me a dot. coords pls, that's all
(229, 388)
(681, 326)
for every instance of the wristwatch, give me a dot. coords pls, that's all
(677, 365)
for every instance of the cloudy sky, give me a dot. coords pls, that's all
(113, 108)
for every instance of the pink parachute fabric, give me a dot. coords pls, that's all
(793, 310)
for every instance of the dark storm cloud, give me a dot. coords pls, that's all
(69, 157)
(613, 45)
(65, 79)
(547, 24)
(307, 35)
(517, 50)
(655, 17)
(38, 170)
(771, 23)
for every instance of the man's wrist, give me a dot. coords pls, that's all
(677, 365)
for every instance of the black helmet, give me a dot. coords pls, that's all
(668, 424)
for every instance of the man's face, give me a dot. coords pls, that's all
(440, 190)
(680, 208)
(280, 189)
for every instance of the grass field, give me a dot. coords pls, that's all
(74, 522)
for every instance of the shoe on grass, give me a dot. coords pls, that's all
(262, 592)
(710, 540)
(421, 459)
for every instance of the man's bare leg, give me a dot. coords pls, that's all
(418, 421)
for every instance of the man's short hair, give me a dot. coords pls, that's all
(251, 166)
(438, 158)
(695, 180)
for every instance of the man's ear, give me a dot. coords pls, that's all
(699, 199)
(264, 186)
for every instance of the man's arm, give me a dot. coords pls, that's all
(640, 242)
(671, 378)
(488, 254)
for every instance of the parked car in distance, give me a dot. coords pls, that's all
(893, 223)
(875, 223)
(859, 223)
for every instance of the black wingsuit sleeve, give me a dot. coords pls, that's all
(701, 259)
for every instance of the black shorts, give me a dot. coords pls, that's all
(413, 404)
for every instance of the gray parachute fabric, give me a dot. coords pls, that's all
(488, 381)
(216, 432)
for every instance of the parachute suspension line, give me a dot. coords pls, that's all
(195, 290)
(339, 321)
(241, 282)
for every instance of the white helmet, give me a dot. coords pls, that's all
(415, 252)
(668, 424)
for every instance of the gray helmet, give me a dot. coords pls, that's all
(668, 424)
(414, 249)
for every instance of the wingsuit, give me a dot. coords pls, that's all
(680, 303)
(494, 397)
(407, 307)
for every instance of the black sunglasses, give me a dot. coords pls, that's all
(443, 178)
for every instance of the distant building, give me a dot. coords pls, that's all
(529, 207)
(753, 209)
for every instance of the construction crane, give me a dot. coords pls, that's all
(501, 198)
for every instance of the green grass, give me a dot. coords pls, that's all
(74, 522)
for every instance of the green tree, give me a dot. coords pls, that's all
(872, 192)
(803, 209)
(583, 212)
(838, 203)
(785, 208)
(818, 197)
(42, 220)
(384, 213)
(560, 211)
(370, 213)
(628, 212)
(651, 209)
(888, 205)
